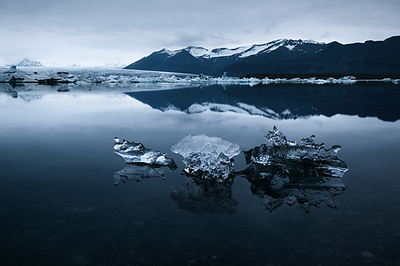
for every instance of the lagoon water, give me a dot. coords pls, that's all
(59, 204)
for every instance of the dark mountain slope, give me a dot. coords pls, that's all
(282, 57)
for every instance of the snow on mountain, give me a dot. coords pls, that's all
(197, 51)
(241, 52)
(221, 52)
(281, 58)
(28, 63)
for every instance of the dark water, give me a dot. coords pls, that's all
(59, 204)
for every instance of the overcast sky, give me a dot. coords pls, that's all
(96, 32)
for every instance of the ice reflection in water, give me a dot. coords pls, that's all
(281, 172)
(138, 172)
(204, 196)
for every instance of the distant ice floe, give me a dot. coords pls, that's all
(343, 80)
(86, 76)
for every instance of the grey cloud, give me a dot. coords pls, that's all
(140, 27)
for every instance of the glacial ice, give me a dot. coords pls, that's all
(283, 171)
(207, 157)
(290, 157)
(81, 76)
(280, 172)
(137, 153)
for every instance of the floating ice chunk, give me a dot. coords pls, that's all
(207, 157)
(312, 80)
(289, 156)
(12, 69)
(136, 153)
(286, 172)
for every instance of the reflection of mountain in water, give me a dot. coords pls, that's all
(30, 97)
(283, 101)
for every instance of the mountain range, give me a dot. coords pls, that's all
(29, 63)
(282, 58)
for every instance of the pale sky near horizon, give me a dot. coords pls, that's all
(97, 32)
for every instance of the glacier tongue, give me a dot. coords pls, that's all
(207, 157)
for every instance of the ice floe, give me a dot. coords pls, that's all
(81, 76)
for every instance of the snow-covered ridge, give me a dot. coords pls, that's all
(243, 51)
(29, 63)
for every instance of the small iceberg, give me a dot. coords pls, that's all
(284, 172)
(137, 153)
(140, 162)
(207, 157)
(306, 159)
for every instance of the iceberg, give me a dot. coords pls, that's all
(283, 171)
(207, 157)
(137, 153)
(305, 159)
(11, 69)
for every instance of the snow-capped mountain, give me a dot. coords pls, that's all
(243, 51)
(284, 57)
(28, 63)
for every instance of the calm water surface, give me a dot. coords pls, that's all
(59, 204)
